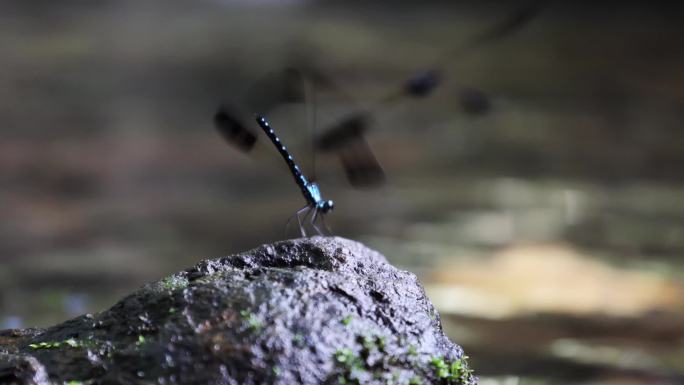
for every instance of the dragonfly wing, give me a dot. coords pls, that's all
(343, 132)
(346, 138)
(510, 24)
(233, 130)
(474, 102)
(423, 83)
(360, 165)
(280, 87)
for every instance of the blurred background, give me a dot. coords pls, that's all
(547, 225)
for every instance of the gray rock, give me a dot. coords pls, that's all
(306, 311)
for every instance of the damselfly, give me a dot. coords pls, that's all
(315, 204)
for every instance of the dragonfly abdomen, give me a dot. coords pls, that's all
(296, 172)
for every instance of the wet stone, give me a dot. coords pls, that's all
(320, 310)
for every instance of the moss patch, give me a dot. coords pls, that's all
(369, 362)
(71, 342)
(454, 372)
(253, 322)
(347, 320)
(173, 283)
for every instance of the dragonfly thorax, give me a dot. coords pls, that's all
(317, 200)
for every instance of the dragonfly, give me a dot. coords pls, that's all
(315, 204)
(288, 85)
(346, 136)
(316, 207)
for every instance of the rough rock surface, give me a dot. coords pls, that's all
(306, 311)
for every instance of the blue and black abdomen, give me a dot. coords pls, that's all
(300, 179)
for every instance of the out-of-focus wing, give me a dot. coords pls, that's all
(509, 25)
(233, 130)
(346, 139)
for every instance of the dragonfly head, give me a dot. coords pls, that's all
(326, 206)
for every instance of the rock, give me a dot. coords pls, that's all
(306, 311)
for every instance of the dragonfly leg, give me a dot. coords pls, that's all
(302, 220)
(295, 215)
(313, 222)
(325, 226)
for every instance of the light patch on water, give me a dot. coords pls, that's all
(503, 380)
(464, 300)
(602, 354)
(572, 207)
(549, 278)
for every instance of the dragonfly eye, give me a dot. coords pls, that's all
(328, 206)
